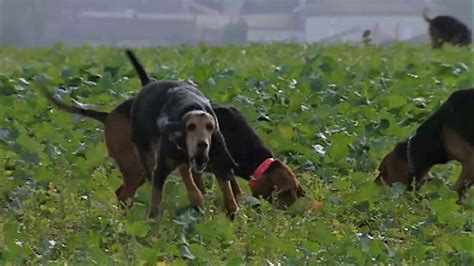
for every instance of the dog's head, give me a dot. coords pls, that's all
(278, 185)
(199, 127)
(395, 168)
(194, 134)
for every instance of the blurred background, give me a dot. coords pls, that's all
(36, 23)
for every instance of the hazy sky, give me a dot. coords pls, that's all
(153, 22)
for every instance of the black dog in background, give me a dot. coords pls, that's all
(447, 29)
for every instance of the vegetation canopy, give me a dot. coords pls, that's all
(331, 112)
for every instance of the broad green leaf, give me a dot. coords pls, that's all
(339, 148)
(395, 101)
(138, 228)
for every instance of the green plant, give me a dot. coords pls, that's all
(331, 112)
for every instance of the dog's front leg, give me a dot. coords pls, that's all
(194, 193)
(236, 188)
(197, 177)
(230, 203)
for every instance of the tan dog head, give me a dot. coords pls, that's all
(199, 129)
(278, 185)
(193, 133)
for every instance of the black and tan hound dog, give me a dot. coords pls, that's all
(174, 126)
(268, 177)
(446, 135)
(447, 29)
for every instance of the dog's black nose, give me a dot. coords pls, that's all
(202, 145)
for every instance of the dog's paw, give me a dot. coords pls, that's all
(196, 199)
(199, 209)
(153, 213)
(231, 210)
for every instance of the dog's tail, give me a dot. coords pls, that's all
(97, 115)
(144, 78)
(425, 15)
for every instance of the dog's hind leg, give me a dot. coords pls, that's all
(194, 193)
(117, 133)
(457, 40)
(466, 179)
(463, 152)
(133, 173)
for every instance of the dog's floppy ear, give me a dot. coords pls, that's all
(219, 153)
(169, 128)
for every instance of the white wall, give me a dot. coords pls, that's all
(408, 26)
(263, 35)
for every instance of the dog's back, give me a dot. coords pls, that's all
(237, 131)
(164, 97)
(455, 113)
(458, 112)
(147, 107)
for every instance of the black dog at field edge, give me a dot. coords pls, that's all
(447, 29)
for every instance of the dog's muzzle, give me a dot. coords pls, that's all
(200, 159)
(199, 163)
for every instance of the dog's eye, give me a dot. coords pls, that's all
(191, 127)
(209, 126)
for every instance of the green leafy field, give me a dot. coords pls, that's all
(334, 111)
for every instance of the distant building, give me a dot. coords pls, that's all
(346, 20)
(168, 22)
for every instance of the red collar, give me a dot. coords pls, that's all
(261, 169)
